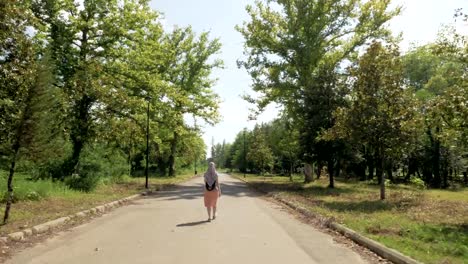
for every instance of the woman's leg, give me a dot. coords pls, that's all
(208, 209)
(214, 212)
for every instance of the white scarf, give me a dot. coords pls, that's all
(211, 175)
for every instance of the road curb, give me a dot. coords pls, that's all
(376, 247)
(50, 225)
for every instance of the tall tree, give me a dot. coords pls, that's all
(85, 37)
(436, 72)
(17, 74)
(259, 153)
(381, 116)
(188, 68)
(294, 48)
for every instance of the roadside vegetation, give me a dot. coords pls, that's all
(369, 134)
(39, 201)
(428, 225)
(91, 91)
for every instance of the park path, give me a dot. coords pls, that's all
(170, 228)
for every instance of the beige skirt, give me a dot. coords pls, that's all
(211, 198)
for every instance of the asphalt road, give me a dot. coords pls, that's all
(171, 228)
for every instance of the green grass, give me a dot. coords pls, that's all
(40, 201)
(30, 190)
(428, 225)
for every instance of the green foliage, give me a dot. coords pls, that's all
(221, 155)
(294, 50)
(27, 189)
(239, 149)
(418, 182)
(390, 119)
(85, 182)
(103, 162)
(288, 41)
(259, 153)
(411, 220)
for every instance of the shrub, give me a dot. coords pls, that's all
(84, 182)
(417, 182)
(33, 196)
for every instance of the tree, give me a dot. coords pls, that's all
(84, 41)
(18, 70)
(381, 115)
(436, 73)
(294, 49)
(188, 68)
(284, 142)
(450, 108)
(238, 151)
(259, 153)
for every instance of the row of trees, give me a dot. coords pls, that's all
(83, 77)
(352, 103)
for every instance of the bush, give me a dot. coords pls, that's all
(103, 161)
(417, 182)
(84, 182)
(388, 183)
(54, 169)
(98, 164)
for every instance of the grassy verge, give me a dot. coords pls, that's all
(41, 201)
(430, 225)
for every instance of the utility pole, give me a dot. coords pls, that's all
(245, 158)
(147, 142)
(196, 156)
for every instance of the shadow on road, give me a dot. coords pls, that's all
(192, 223)
(232, 189)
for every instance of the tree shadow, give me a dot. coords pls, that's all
(231, 189)
(367, 206)
(192, 223)
(276, 186)
(299, 188)
(325, 191)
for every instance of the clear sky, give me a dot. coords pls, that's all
(419, 23)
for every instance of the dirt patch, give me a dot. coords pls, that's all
(377, 230)
(436, 211)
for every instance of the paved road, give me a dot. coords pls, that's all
(171, 228)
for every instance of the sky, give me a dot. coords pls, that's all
(419, 24)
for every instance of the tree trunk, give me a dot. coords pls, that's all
(130, 167)
(465, 177)
(436, 161)
(382, 177)
(319, 170)
(308, 176)
(290, 171)
(445, 175)
(411, 169)
(10, 182)
(330, 166)
(80, 133)
(172, 156)
(382, 187)
(370, 165)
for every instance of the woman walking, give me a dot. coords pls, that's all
(212, 190)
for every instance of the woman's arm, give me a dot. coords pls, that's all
(218, 185)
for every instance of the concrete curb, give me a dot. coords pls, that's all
(376, 247)
(45, 227)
